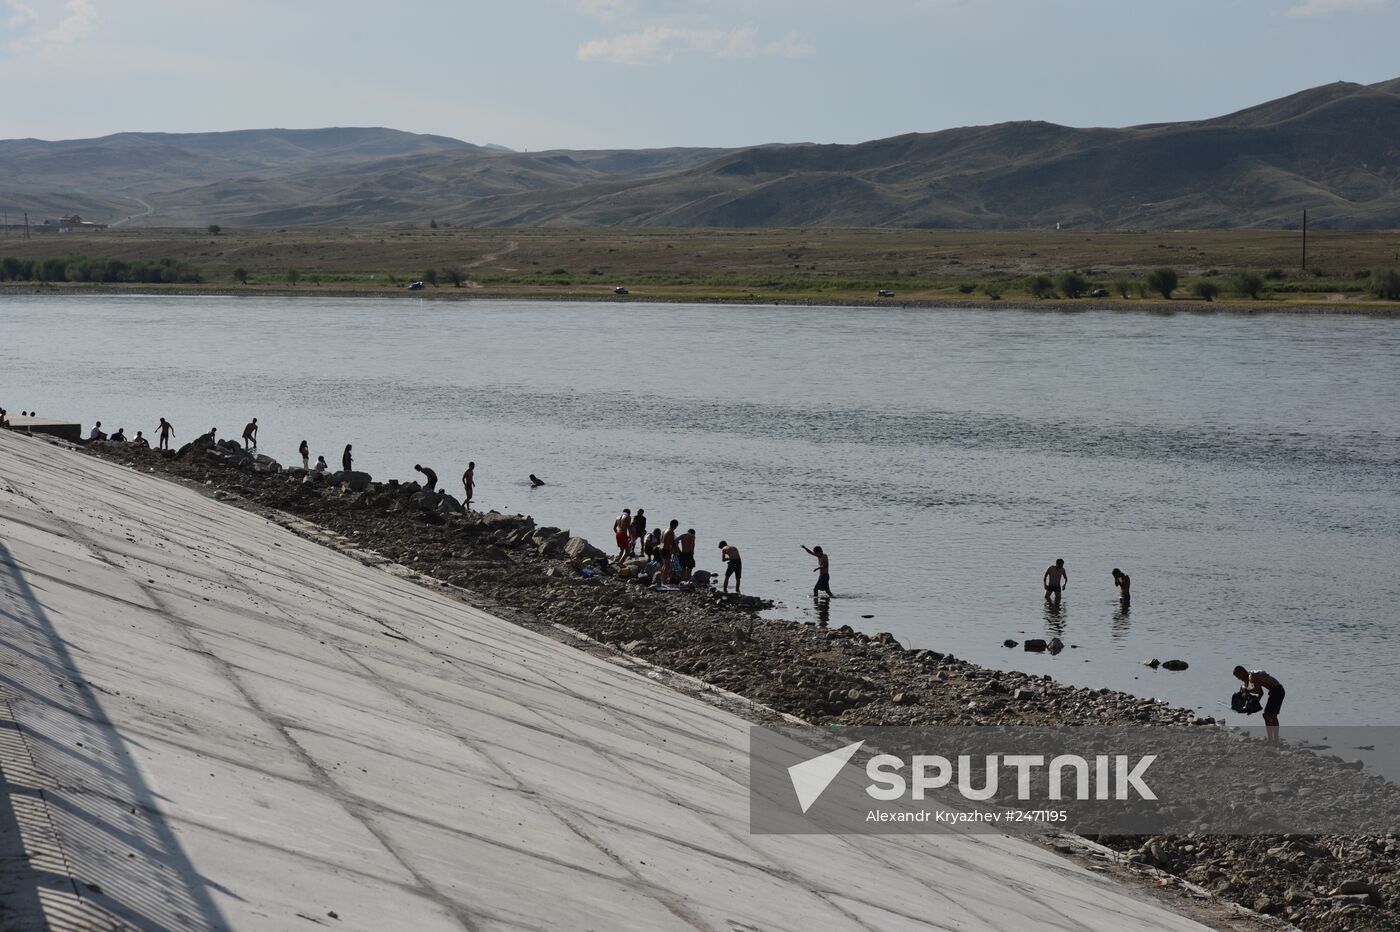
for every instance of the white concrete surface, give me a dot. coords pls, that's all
(218, 724)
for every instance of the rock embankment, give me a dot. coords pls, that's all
(825, 676)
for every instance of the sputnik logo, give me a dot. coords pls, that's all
(811, 777)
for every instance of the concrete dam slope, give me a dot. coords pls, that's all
(208, 722)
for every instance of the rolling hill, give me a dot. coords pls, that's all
(1334, 150)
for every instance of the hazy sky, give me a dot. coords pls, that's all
(627, 73)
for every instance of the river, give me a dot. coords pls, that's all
(1242, 469)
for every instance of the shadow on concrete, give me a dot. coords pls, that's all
(102, 823)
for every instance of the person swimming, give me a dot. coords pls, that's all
(535, 481)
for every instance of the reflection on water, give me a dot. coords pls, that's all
(1055, 617)
(941, 456)
(822, 607)
(1122, 619)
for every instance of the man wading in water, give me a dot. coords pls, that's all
(733, 566)
(823, 571)
(1056, 580)
(1256, 681)
(1124, 582)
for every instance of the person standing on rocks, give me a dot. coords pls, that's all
(622, 533)
(468, 486)
(733, 566)
(305, 450)
(638, 531)
(1056, 580)
(1256, 681)
(686, 545)
(250, 435)
(1124, 582)
(668, 551)
(429, 477)
(346, 460)
(822, 569)
(166, 432)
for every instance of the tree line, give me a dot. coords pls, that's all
(85, 269)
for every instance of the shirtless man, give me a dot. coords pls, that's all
(1124, 582)
(733, 566)
(686, 544)
(305, 450)
(639, 530)
(166, 432)
(429, 476)
(622, 533)
(822, 569)
(535, 481)
(1256, 681)
(668, 550)
(1056, 580)
(250, 434)
(140, 441)
(468, 485)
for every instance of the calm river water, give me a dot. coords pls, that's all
(1243, 470)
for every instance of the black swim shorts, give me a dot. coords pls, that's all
(1275, 701)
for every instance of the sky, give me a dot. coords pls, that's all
(537, 74)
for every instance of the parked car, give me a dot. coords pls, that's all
(1099, 293)
(621, 290)
(884, 293)
(415, 286)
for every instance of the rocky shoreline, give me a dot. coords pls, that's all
(824, 676)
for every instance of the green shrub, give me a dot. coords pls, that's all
(1124, 287)
(992, 290)
(1205, 290)
(1248, 285)
(1072, 284)
(1041, 287)
(1162, 281)
(967, 287)
(1385, 283)
(240, 275)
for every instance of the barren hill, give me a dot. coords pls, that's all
(1333, 150)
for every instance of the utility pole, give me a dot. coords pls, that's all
(1305, 240)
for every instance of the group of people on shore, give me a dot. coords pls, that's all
(670, 551)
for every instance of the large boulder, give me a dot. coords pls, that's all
(354, 481)
(580, 549)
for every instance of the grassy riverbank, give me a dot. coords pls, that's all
(919, 267)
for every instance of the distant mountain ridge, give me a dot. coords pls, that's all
(1333, 150)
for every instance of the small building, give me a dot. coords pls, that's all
(73, 223)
